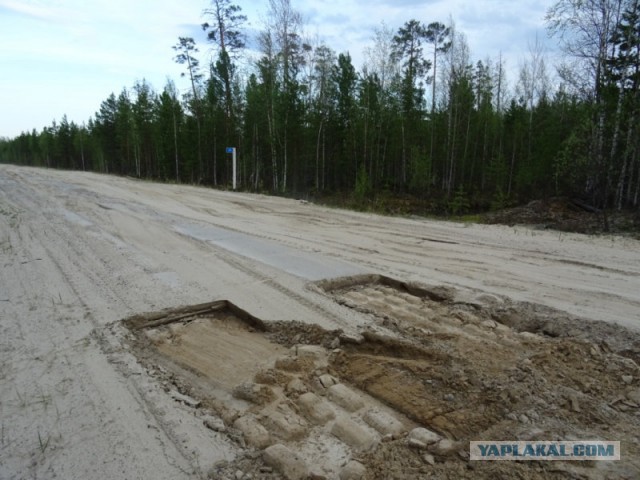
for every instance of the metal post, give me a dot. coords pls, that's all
(234, 168)
(232, 151)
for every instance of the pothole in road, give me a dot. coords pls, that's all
(307, 402)
(271, 387)
(490, 368)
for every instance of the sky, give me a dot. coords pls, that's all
(65, 57)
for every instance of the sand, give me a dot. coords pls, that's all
(79, 252)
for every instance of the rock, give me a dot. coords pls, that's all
(345, 397)
(315, 408)
(575, 406)
(220, 464)
(327, 380)
(213, 423)
(252, 454)
(286, 461)
(239, 474)
(489, 324)
(429, 459)
(449, 397)
(512, 416)
(427, 437)
(348, 339)
(296, 386)
(530, 336)
(630, 364)
(353, 471)
(634, 395)
(464, 455)
(353, 434)
(335, 343)
(383, 422)
(254, 393)
(317, 476)
(187, 400)
(417, 444)
(486, 299)
(285, 423)
(444, 447)
(523, 418)
(627, 379)
(272, 377)
(255, 435)
(229, 415)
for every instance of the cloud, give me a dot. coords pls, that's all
(56, 52)
(31, 9)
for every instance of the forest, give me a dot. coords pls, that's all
(420, 118)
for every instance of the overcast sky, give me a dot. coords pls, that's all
(66, 56)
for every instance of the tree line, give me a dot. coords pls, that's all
(420, 117)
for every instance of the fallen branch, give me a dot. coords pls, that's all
(587, 208)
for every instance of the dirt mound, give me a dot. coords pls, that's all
(568, 215)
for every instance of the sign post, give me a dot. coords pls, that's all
(232, 150)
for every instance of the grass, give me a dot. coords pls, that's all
(43, 443)
(41, 398)
(13, 217)
(21, 399)
(6, 246)
(44, 399)
(53, 300)
(471, 218)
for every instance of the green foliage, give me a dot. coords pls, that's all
(500, 200)
(571, 163)
(306, 120)
(363, 185)
(459, 204)
(420, 172)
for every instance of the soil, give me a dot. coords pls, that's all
(169, 332)
(489, 370)
(552, 213)
(567, 215)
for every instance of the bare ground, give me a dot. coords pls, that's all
(329, 333)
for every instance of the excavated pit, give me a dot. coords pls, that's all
(272, 385)
(319, 403)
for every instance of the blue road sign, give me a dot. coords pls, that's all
(229, 149)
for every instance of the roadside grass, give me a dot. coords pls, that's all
(13, 217)
(556, 213)
(43, 442)
(470, 218)
(6, 246)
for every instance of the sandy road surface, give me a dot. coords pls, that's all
(80, 251)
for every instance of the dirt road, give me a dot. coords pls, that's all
(84, 396)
